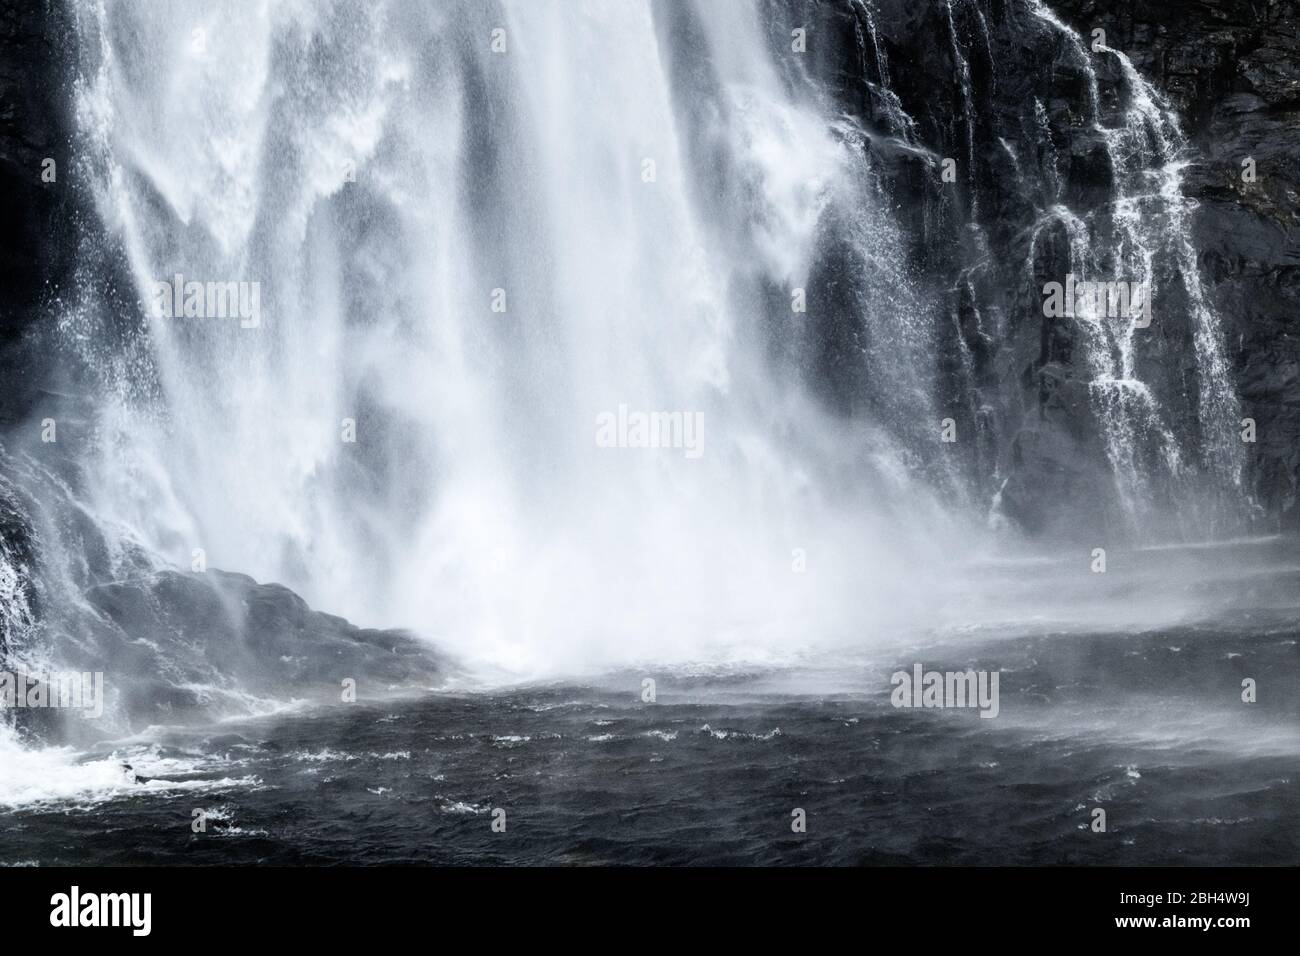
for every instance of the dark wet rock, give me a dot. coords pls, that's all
(35, 246)
(17, 558)
(39, 239)
(1046, 486)
(179, 648)
(173, 647)
(213, 641)
(1231, 69)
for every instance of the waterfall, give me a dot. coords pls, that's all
(16, 617)
(406, 280)
(900, 123)
(967, 102)
(1050, 161)
(1151, 137)
(1145, 228)
(476, 230)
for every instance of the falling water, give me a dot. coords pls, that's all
(967, 102)
(900, 123)
(478, 232)
(473, 253)
(1151, 137)
(1148, 221)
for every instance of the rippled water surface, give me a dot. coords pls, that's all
(1149, 727)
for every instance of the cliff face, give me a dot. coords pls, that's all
(36, 243)
(1232, 69)
(989, 84)
(38, 240)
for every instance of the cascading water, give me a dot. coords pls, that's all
(472, 245)
(1144, 237)
(568, 346)
(467, 289)
(476, 231)
(900, 124)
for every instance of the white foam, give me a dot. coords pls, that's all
(45, 776)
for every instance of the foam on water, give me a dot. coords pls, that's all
(61, 776)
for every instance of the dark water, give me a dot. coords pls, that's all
(1149, 727)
